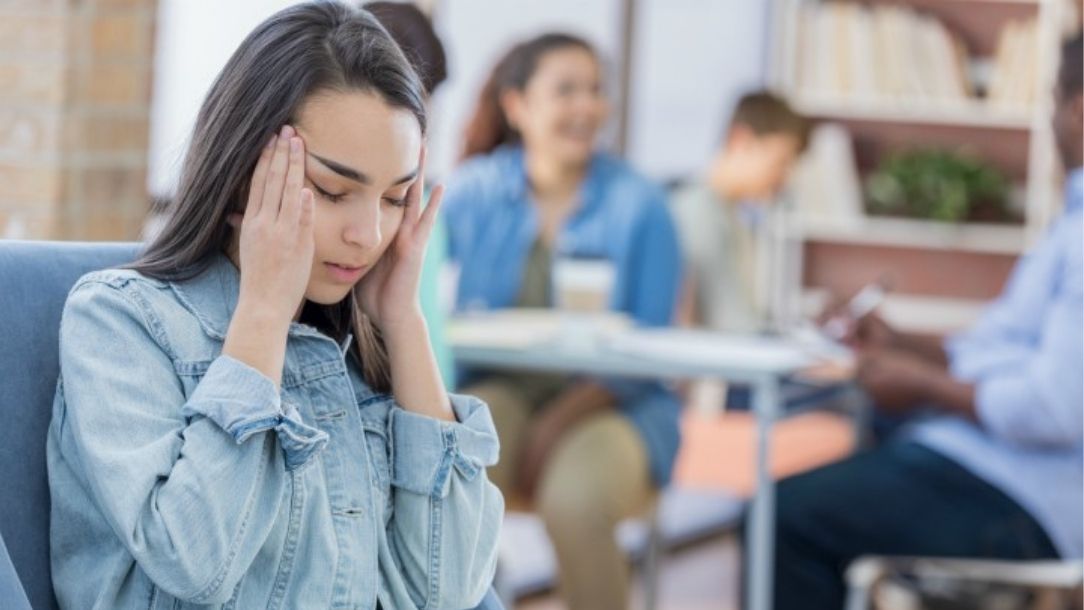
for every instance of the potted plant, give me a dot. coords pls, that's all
(938, 185)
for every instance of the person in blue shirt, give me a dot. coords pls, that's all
(585, 452)
(992, 468)
(251, 415)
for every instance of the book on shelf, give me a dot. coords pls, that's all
(825, 184)
(1012, 82)
(896, 56)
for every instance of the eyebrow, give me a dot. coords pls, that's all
(356, 175)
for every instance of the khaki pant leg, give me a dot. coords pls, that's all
(597, 476)
(511, 414)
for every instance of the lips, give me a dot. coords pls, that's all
(579, 132)
(346, 274)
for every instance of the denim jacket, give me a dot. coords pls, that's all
(621, 216)
(182, 478)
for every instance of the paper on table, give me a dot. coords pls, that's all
(701, 347)
(522, 328)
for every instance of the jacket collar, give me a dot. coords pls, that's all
(514, 173)
(212, 295)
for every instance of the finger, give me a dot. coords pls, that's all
(429, 216)
(422, 156)
(307, 208)
(259, 177)
(276, 174)
(414, 195)
(417, 191)
(290, 210)
(413, 212)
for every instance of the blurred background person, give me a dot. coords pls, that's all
(994, 468)
(533, 187)
(722, 217)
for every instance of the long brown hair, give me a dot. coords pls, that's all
(299, 51)
(488, 127)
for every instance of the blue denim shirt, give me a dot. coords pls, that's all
(183, 478)
(622, 216)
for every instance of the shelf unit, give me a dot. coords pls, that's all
(1017, 139)
(997, 239)
(964, 114)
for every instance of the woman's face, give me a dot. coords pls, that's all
(361, 156)
(561, 109)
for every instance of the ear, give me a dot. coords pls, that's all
(513, 105)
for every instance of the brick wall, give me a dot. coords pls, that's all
(75, 83)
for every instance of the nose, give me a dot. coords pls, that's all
(363, 229)
(592, 102)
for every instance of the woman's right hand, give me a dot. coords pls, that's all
(276, 235)
(275, 252)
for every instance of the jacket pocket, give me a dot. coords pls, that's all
(191, 372)
(376, 445)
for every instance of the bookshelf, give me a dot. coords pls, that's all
(893, 75)
(962, 113)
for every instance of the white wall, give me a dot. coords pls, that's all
(195, 38)
(477, 32)
(691, 62)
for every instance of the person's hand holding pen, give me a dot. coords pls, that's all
(857, 324)
(869, 332)
(899, 370)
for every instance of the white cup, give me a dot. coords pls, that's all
(582, 289)
(583, 285)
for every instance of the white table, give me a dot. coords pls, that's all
(504, 340)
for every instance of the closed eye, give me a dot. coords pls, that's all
(399, 203)
(332, 197)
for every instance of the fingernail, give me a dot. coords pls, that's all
(287, 131)
(295, 144)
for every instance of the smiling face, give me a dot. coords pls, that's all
(361, 157)
(562, 107)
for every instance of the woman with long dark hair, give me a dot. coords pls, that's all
(585, 452)
(251, 415)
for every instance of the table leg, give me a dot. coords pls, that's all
(760, 540)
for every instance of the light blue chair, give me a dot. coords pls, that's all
(11, 590)
(35, 278)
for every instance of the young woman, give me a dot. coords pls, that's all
(588, 452)
(251, 416)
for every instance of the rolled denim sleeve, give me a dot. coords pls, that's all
(244, 402)
(447, 513)
(188, 486)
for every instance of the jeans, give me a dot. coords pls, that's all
(899, 499)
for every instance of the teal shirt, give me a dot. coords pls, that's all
(435, 256)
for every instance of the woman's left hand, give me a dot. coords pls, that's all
(389, 292)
